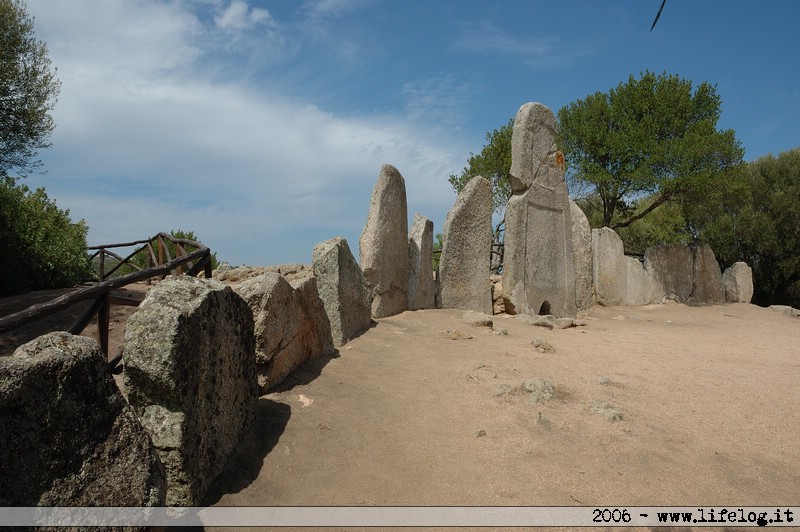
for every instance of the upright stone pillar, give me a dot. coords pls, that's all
(464, 265)
(421, 289)
(539, 266)
(383, 246)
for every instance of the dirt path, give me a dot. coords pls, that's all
(708, 399)
(425, 409)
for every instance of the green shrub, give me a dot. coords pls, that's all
(40, 247)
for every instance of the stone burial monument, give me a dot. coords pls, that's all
(539, 267)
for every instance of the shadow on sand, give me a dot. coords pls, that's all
(305, 373)
(245, 462)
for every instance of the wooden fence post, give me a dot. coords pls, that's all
(103, 318)
(102, 265)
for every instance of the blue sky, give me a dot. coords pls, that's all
(262, 125)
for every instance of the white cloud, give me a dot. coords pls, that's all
(147, 140)
(104, 40)
(443, 97)
(239, 16)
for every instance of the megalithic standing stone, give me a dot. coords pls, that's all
(539, 267)
(421, 289)
(384, 245)
(464, 265)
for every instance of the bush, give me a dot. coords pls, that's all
(40, 247)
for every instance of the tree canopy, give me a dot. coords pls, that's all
(40, 247)
(28, 91)
(758, 222)
(493, 163)
(654, 136)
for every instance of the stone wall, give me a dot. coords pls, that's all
(669, 272)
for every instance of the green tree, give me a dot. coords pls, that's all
(40, 247)
(666, 225)
(758, 222)
(493, 163)
(438, 244)
(654, 136)
(28, 91)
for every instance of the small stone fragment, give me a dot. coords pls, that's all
(455, 334)
(540, 389)
(542, 346)
(603, 408)
(502, 389)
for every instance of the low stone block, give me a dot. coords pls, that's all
(738, 281)
(190, 374)
(290, 325)
(638, 289)
(67, 436)
(609, 268)
(342, 288)
(671, 267)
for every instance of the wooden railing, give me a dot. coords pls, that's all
(162, 265)
(155, 250)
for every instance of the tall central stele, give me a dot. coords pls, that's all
(539, 268)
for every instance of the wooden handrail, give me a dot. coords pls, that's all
(147, 247)
(35, 312)
(101, 292)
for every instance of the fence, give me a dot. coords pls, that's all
(160, 264)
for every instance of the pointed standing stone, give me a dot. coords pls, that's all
(420, 264)
(464, 265)
(707, 285)
(383, 246)
(582, 250)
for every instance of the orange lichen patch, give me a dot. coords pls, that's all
(560, 160)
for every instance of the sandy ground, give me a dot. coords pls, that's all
(426, 409)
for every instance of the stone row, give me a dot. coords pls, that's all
(668, 272)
